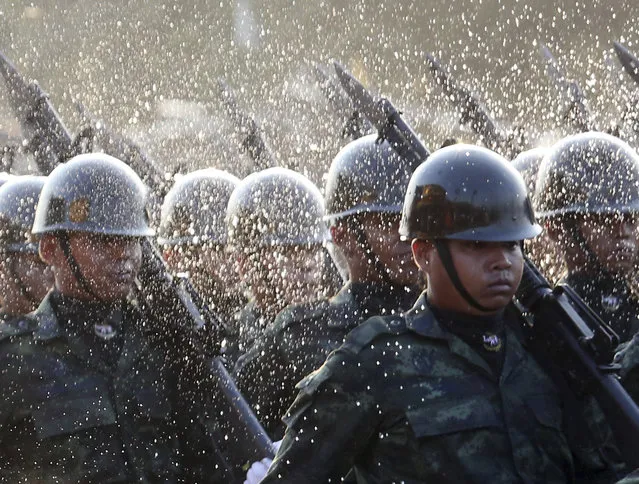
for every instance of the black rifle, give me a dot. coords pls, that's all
(560, 323)
(356, 125)
(630, 64)
(385, 117)
(45, 134)
(247, 129)
(473, 112)
(175, 301)
(577, 112)
(562, 326)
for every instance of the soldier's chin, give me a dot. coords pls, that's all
(116, 292)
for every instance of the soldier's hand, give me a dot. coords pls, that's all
(259, 469)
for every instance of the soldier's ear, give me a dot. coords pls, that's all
(48, 248)
(422, 253)
(554, 231)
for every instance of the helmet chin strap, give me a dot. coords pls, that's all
(63, 237)
(447, 260)
(580, 241)
(362, 239)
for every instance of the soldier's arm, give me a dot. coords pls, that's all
(332, 420)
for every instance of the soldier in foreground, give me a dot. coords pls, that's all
(364, 195)
(93, 391)
(193, 234)
(587, 194)
(276, 234)
(25, 278)
(448, 392)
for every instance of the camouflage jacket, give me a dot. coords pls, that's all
(611, 299)
(300, 339)
(405, 401)
(68, 417)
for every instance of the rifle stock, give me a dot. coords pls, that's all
(356, 125)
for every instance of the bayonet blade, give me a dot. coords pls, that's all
(628, 60)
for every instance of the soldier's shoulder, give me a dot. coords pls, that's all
(14, 328)
(299, 314)
(366, 333)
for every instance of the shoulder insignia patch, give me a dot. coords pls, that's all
(310, 383)
(365, 333)
(17, 327)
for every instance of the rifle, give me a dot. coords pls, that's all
(356, 125)
(560, 323)
(174, 300)
(630, 64)
(246, 128)
(570, 91)
(628, 60)
(121, 147)
(46, 136)
(384, 117)
(472, 111)
(166, 299)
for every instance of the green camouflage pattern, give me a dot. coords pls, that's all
(402, 400)
(628, 359)
(67, 417)
(300, 339)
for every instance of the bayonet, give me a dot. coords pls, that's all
(47, 138)
(384, 117)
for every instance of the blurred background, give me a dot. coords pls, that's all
(149, 69)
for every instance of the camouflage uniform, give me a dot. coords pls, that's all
(80, 408)
(301, 338)
(609, 297)
(404, 400)
(628, 359)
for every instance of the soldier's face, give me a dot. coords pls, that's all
(489, 271)
(613, 239)
(382, 231)
(28, 271)
(109, 264)
(280, 276)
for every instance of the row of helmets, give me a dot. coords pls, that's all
(98, 194)
(462, 192)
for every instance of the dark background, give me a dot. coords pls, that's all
(125, 59)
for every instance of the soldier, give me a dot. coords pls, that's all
(193, 234)
(587, 194)
(276, 233)
(365, 190)
(448, 392)
(25, 278)
(540, 248)
(92, 390)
